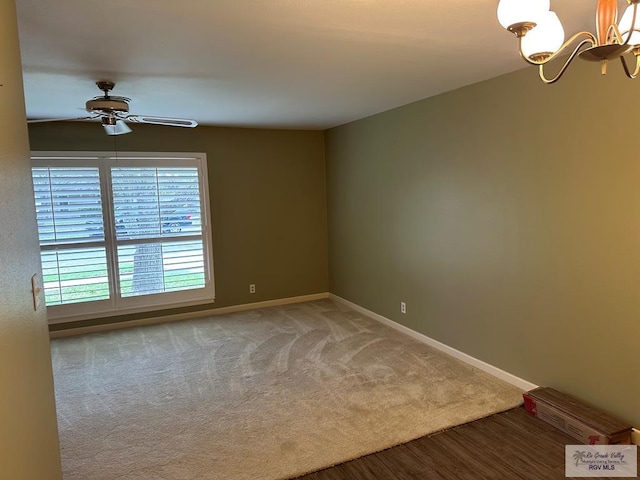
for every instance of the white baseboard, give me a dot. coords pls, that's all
(187, 316)
(490, 369)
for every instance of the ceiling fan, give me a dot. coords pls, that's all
(113, 112)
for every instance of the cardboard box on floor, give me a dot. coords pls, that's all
(586, 424)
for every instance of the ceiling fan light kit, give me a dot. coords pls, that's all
(541, 36)
(114, 126)
(113, 112)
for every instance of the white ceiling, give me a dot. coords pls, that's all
(264, 63)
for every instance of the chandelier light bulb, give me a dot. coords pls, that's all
(511, 12)
(547, 37)
(625, 26)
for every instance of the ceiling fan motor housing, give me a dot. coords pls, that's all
(107, 105)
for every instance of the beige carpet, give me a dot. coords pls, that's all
(265, 394)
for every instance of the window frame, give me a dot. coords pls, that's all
(117, 305)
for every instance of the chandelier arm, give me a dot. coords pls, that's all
(589, 40)
(575, 52)
(617, 36)
(626, 67)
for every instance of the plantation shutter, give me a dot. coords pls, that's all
(122, 233)
(158, 229)
(69, 213)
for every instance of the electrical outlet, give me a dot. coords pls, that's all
(403, 307)
(252, 288)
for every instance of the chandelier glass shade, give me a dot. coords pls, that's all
(541, 37)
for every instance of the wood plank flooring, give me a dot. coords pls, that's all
(512, 445)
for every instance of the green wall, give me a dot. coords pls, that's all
(268, 204)
(506, 215)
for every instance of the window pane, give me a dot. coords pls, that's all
(75, 275)
(156, 202)
(149, 268)
(68, 205)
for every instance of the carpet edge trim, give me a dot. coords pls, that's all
(466, 358)
(436, 432)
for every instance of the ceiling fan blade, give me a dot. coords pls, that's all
(69, 119)
(171, 122)
(119, 128)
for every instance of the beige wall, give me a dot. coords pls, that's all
(268, 203)
(507, 215)
(28, 431)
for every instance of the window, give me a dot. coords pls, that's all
(122, 234)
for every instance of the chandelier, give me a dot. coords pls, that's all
(541, 36)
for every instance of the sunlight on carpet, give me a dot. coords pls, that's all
(264, 394)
